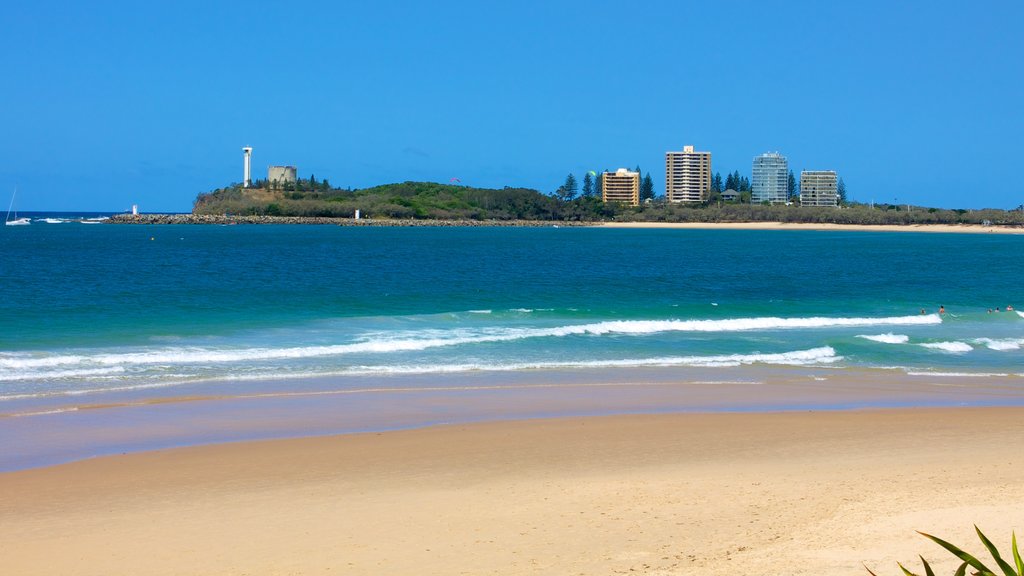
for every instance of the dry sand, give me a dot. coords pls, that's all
(782, 493)
(945, 228)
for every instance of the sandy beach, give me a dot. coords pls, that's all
(776, 493)
(941, 228)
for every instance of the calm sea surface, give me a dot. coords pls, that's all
(117, 306)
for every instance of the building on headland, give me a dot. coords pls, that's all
(621, 186)
(818, 188)
(770, 179)
(730, 195)
(246, 161)
(687, 175)
(279, 175)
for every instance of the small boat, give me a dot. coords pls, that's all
(17, 221)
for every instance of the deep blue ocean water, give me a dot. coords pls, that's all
(102, 307)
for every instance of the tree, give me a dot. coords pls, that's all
(647, 188)
(841, 191)
(599, 185)
(716, 183)
(312, 182)
(569, 190)
(791, 190)
(588, 185)
(730, 183)
(744, 183)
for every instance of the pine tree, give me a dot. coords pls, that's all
(647, 188)
(730, 184)
(588, 185)
(716, 183)
(744, 184)
(791, 192)
(841, 191)
(569, 190)
(599, 185)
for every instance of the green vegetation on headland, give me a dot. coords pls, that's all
(432, 201)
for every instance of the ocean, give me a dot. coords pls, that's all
(127, 314)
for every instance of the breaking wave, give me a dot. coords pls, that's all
(887, 338)
(950, 347)
(384, 343)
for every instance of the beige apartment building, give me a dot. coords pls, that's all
(818, 188)
(621, 186)
(687, 175)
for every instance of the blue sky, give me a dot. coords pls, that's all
(108, 104)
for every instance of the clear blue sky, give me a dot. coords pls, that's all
(103, 105)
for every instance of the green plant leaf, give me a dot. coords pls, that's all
(927, 569)
(961, 570)
(869, 570)
(982, 569)
(1016, 557)
(1006, 568)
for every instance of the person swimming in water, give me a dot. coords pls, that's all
(1009, 308)
(942, 309)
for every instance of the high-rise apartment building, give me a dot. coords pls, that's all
(687, 175)
(818, 188)
(770, 182)
(621, 186)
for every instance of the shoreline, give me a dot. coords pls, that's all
(51, 430)
(209, 219)
(790, 492)
(941, 228)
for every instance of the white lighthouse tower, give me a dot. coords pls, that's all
(246, 156)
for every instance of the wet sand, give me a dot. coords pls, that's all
(772, 493)
(941, 228)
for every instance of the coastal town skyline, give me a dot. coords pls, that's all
(914, 107)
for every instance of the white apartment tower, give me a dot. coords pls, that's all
(818, 188)
(770, 179)
(687, 175)
(621, 186)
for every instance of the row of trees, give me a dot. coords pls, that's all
(427, 200)
(310, 184)
(569, 190)
(592, 187)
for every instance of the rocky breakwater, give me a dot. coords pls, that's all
(222, 219)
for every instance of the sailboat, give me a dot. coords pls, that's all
(17, 221)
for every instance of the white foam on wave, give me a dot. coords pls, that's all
(949, 347)
(385, 343)
(8, 376)
(1019, 313)
(960, 374)
(480, 311)
(888, 338)
(814, 356)
(1001, 345)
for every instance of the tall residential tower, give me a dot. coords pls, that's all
(770, 182)
(818, 188)
(687, 175)
(621, 186)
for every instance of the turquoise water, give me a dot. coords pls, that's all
(119, 338)
(92, 308)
